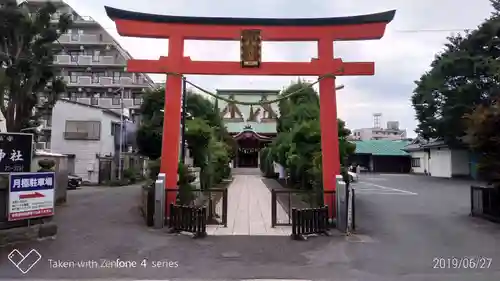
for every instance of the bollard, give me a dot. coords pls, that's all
(159, 204)
(341, 196)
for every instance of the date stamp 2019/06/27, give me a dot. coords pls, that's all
(461, 262)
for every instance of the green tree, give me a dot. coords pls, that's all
(298, 144)
(483, 136)
(26, 57)
(149, 134)
(463, 76)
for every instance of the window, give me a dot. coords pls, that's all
(127, 94)
(95, 78)
(73, 77)
(137, 101)
(116, 101)
(96, 56)
(74, 55)
(415, 162)
(116, 77)
(82, 130)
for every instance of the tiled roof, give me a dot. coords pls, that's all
(382, 147)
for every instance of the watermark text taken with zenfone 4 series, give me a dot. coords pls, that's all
(24, 262)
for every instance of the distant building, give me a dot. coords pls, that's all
(382, 156)
(88, 134)
(434, 158)
(391, 132)
(252, 127)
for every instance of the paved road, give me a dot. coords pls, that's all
(398, 237)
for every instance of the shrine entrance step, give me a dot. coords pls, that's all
(246, 171)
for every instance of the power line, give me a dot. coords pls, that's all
(431, 30)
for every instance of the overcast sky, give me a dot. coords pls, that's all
(400, 57)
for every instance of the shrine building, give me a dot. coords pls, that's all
(252, 126)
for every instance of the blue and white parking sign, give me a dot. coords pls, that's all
(31, 195)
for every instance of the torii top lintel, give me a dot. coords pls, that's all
(362, 27)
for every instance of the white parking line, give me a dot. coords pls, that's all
(384, 193)
(389, 189)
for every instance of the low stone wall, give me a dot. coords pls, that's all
(27, 233)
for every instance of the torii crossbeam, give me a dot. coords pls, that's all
(322, 30)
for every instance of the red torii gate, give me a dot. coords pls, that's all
(323, 30)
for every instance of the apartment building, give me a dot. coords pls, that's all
(391, 132)
(93, 65)
(378, 134)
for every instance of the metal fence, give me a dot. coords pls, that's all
(485, 202)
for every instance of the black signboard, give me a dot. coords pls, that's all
(16, 152)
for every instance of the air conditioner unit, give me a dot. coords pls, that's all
(41, 145)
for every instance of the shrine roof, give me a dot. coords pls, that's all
(383, 17)
(260, 128)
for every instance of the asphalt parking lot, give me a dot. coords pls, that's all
(408, 228)
(423, 221)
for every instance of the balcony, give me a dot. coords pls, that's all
(89, 81)
(77, 20)
(67, 60)
(81, 39)
(111, 103)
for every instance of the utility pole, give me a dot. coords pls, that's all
(183, 121)
(121, 135)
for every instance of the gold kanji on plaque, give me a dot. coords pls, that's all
(251, 45)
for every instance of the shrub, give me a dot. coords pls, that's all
(133, 175)
(185, 195)
(154, 168)
(46, 165)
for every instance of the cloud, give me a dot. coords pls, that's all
(400, 56)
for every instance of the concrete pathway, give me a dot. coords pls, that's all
(249, 209)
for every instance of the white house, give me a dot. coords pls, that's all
(85, 132)
(3, 123)
(436, 159)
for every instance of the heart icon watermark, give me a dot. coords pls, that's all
(24, 262)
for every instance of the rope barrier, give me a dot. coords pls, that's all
(263, 102)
